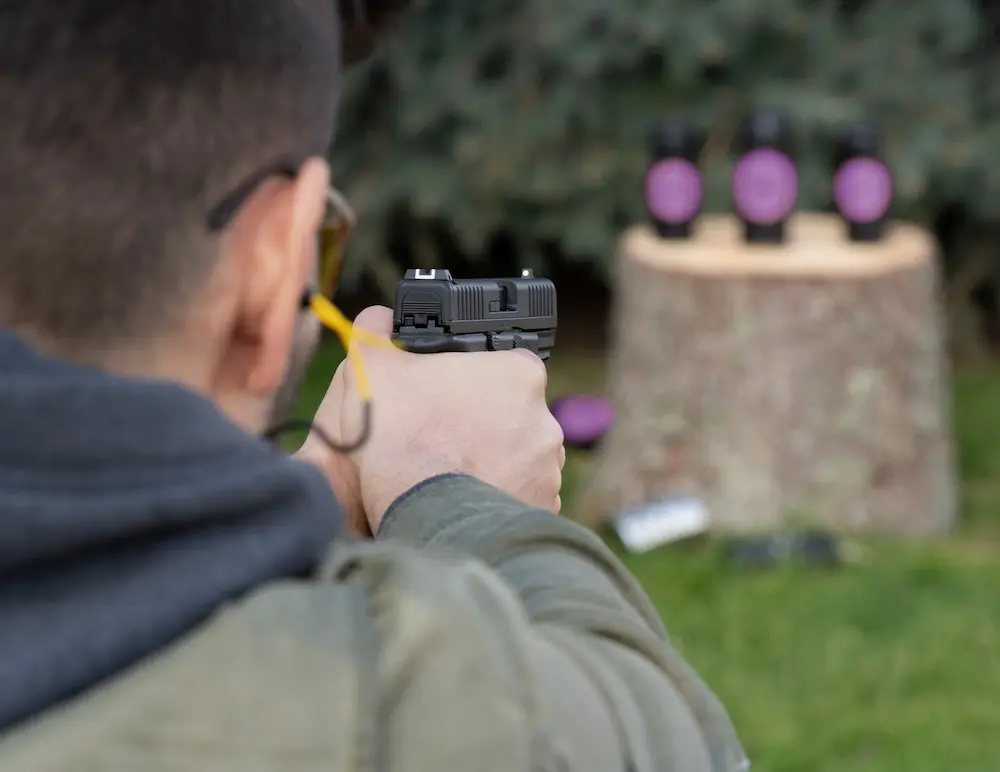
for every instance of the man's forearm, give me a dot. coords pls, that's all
(592, 622)
(461, 513)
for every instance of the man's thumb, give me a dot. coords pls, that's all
(375, 320)
(372, 333)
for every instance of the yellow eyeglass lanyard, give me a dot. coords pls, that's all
(332, 318)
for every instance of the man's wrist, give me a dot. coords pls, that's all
(339, 476)
(397, 506)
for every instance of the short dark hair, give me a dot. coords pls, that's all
(124, 122)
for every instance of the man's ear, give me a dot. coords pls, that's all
(282, 262)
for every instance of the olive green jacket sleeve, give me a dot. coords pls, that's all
(474, 635)
(560, 637)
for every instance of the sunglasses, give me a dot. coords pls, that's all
(338, 222)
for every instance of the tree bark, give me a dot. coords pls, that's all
(800, 384)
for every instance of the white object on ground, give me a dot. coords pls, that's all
(662, 522)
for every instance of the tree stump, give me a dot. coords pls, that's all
(801, 384)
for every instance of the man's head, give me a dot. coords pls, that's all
(124, 124)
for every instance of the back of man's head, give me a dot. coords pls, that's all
(124, 121)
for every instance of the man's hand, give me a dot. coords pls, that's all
(338, 468)
(481, 414)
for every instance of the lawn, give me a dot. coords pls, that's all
(891, 664)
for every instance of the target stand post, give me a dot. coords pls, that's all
(802, 381)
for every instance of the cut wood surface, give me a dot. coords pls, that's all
(796, 384)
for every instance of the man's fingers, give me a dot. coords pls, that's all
(327, 418)
(342, 383)
(532, 360)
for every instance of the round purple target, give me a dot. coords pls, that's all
(765, 186)
(584, 418)
(862, 189)
(673, 190)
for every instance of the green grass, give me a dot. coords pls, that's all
(891, 664)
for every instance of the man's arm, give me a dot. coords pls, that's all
(551, 658)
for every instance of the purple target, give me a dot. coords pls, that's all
(862, 189)
(765, 186)
(673, 190)
(584, 418)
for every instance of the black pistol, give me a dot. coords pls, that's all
(434, 313)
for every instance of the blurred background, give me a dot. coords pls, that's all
(504, 134)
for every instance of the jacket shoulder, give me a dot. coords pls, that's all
(262, 682)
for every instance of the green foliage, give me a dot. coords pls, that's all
(532, 117)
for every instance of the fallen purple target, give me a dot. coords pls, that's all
(765, 186)
(673, 190)
(584, 418)
(862, 189)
